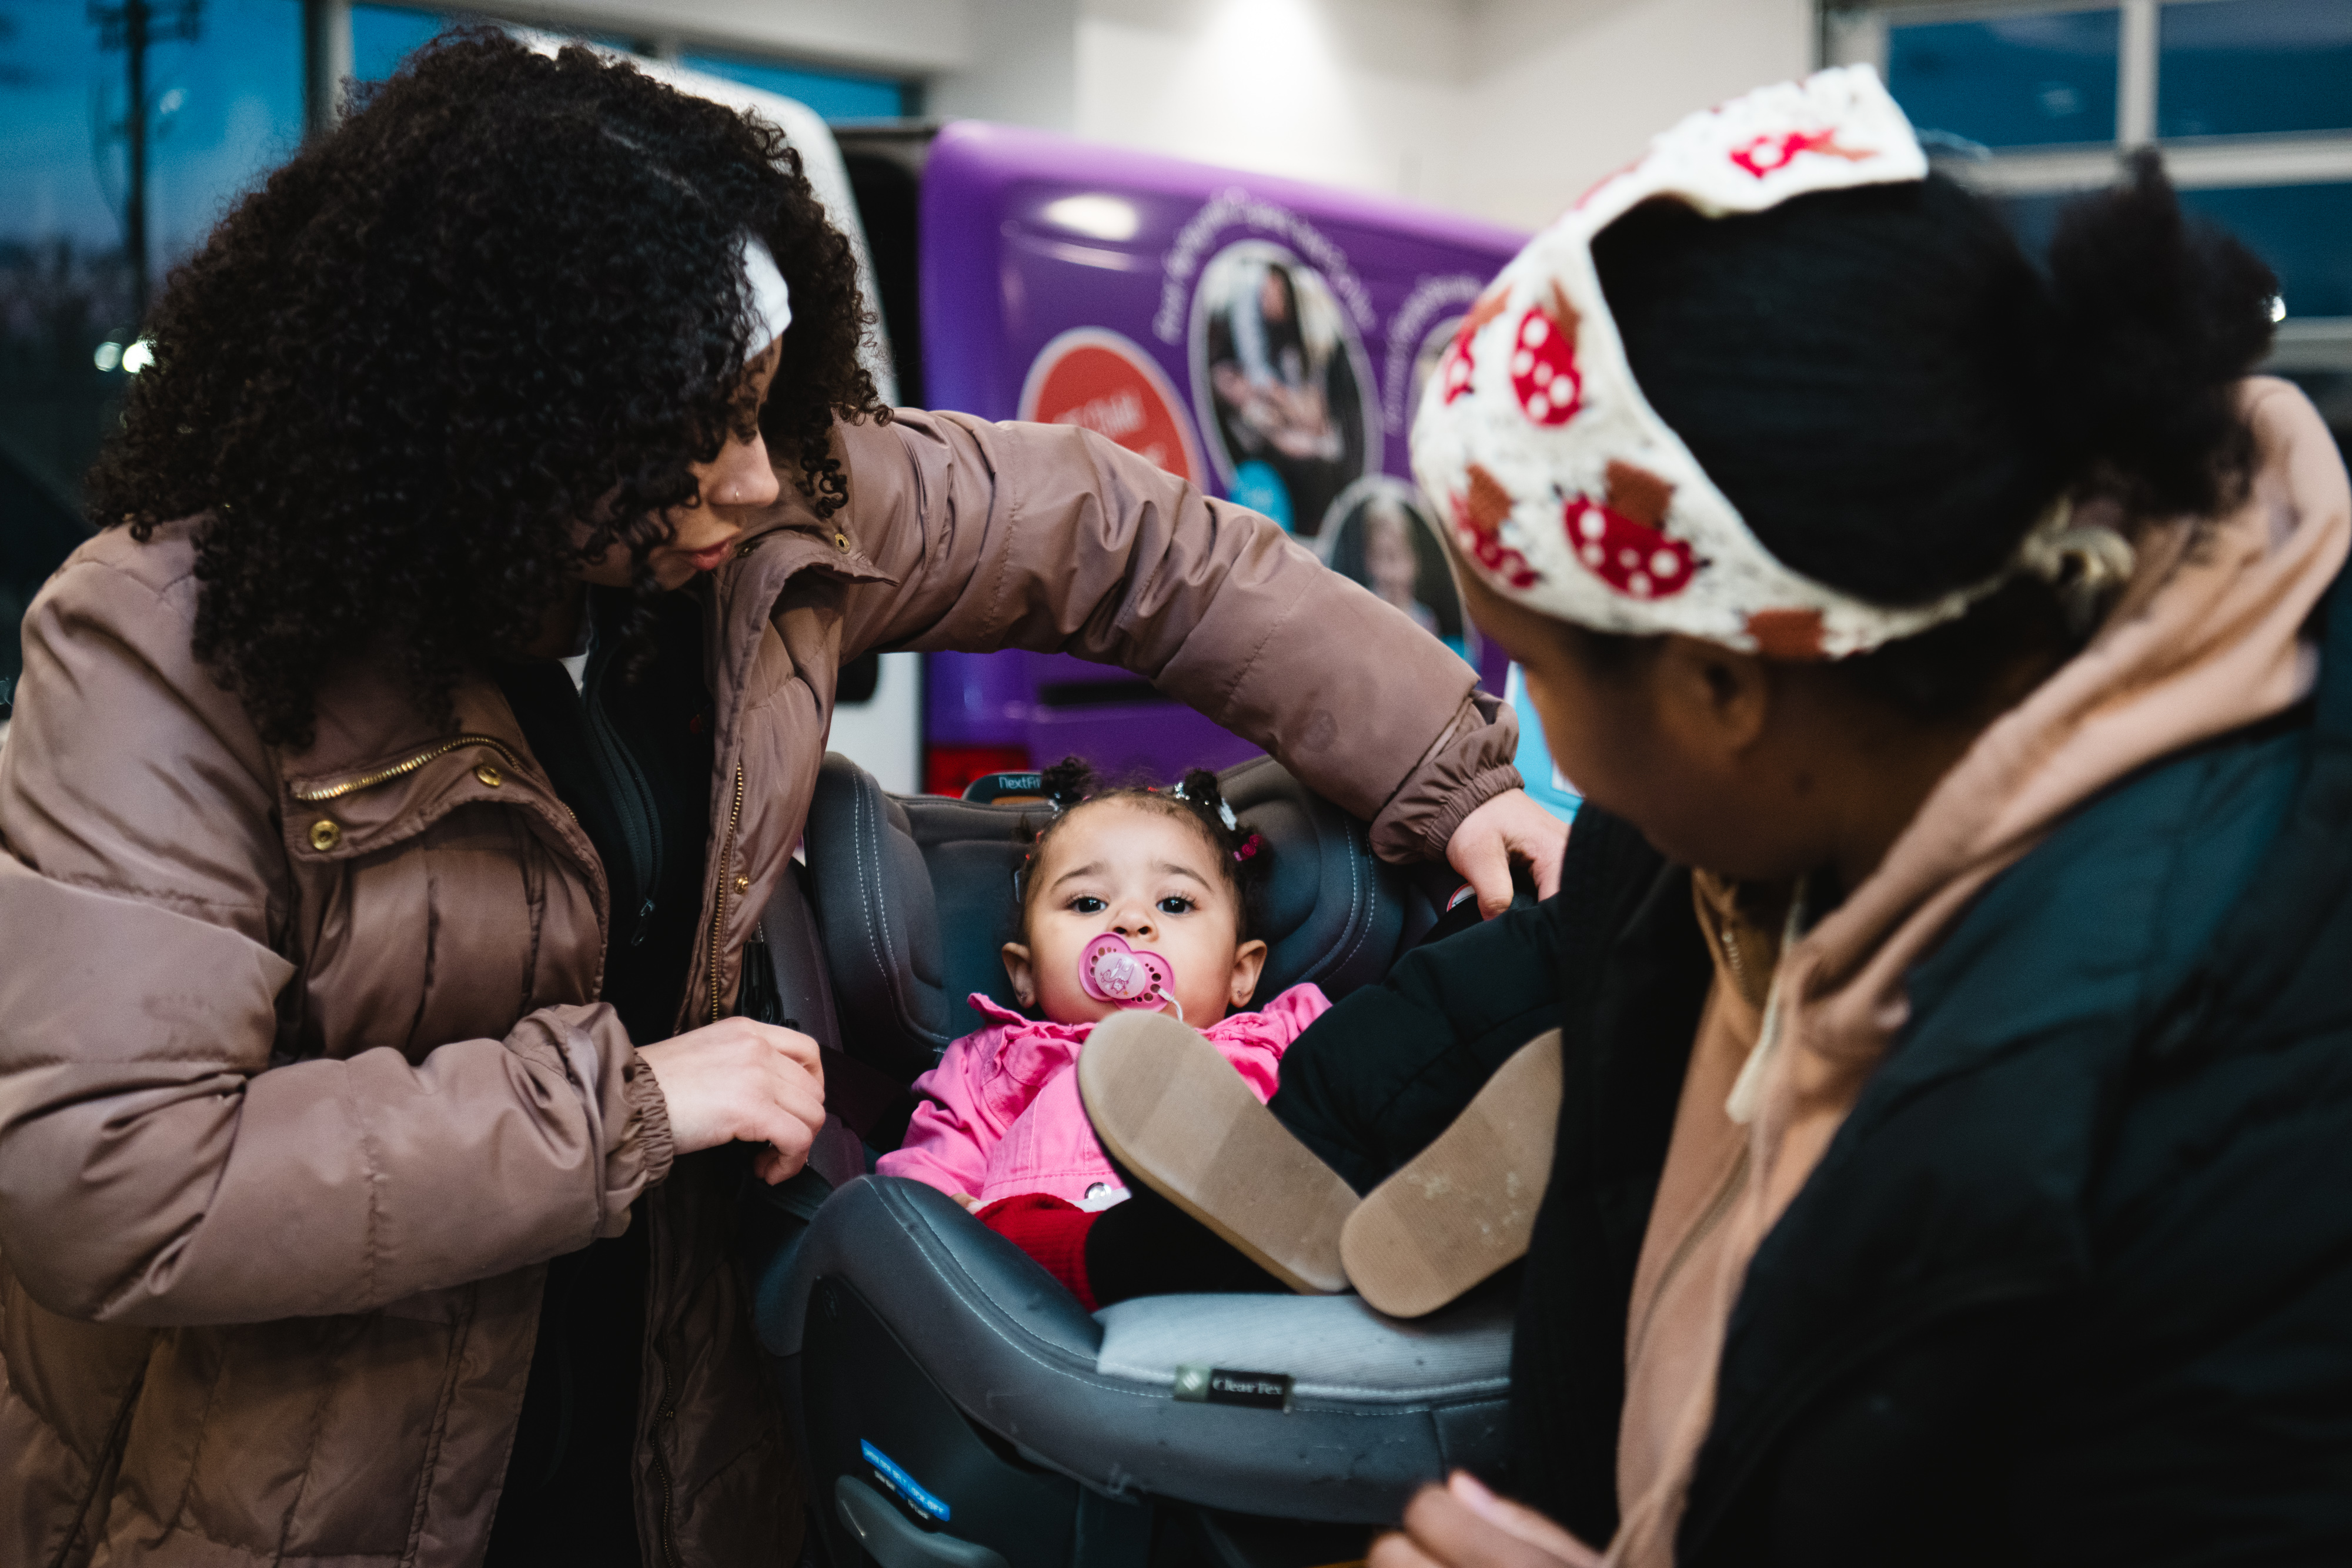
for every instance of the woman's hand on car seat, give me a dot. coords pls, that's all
(1510, 827)
(1462, 1526)
(739, 1081)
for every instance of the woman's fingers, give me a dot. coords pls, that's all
(1519, 1520)
(740, 1080)
(1446, 1529)
(1396, 1550)
(799, 1047)
(1510, 827)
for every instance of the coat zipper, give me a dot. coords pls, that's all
(665, 1418)
(319, 792)
(718, 900)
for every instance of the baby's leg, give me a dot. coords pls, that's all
(1373, 1081)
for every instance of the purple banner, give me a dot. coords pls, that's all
(1266, 339)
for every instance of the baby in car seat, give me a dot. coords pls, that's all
(1131, 899)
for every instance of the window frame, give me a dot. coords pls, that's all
(1850, 33)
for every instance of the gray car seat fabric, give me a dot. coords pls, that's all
(1374, 1407)
(913, 897)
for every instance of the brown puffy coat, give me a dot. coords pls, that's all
(302, 1074)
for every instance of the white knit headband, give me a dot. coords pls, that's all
(771, 302)
(1566, 490)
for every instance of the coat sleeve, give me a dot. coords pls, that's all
(1051, 539)
(155, 1166)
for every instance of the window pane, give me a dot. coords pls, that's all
(2303, 232)
(383, 35)
(2018, 81)
(835, 95)
(2229, 68)
(222, 109)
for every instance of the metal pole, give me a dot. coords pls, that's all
(134, 133)
(326, 64)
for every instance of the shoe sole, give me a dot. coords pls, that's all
(1464, 1205)
(1173, 1112)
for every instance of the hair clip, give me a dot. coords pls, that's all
(1250, 846)
(1224, 808)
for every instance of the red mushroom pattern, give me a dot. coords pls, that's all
(1478, 519)
(1619, 539)
(1770, 154)
(1543, 362)
(1458, 363)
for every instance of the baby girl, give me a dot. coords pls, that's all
(1131, 898)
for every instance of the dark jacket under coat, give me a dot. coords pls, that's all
(2073, 1283)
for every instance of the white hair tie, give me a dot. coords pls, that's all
(771, 299)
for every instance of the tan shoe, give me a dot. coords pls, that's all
(1173, 1112)
(1466, 1205)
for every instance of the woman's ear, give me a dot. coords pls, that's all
(1714, 701)
(1022, 972)
(1249, 962)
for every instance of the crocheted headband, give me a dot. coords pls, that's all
(1567, 491)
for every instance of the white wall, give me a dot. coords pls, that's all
(1507, 109)
(1562, 92)
(1362, 93)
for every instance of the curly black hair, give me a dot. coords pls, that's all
(502, 300)
(1241, 852)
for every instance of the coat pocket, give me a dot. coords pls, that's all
(451, 935)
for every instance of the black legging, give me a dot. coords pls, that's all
(1367, 1087)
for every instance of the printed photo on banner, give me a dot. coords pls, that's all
(1281, 383)
(1380, 532)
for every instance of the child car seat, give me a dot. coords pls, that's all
(958, 1409)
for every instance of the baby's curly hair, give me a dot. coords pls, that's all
(501, 300)
(1239, 852)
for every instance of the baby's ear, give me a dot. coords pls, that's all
(1023, 974)
(1249, 962)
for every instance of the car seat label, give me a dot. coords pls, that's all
(1201, 1384)
(886, 1471)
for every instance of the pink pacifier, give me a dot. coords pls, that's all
(1112, 971)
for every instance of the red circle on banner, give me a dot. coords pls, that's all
(1095, 378)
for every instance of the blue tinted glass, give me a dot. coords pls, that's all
(228, 109)
(2231, 68)
(383, 35)
(2017, 81)
(835, 95)
(223, 107)
(2303, 232)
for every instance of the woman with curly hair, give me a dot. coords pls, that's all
(400, 775)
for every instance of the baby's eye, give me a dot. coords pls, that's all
(1176, 903)
(1088, 904)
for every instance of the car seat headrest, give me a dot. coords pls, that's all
(913, 896)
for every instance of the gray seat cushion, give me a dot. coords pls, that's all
(1375, 1408)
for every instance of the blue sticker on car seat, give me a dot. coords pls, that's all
(886, 1471)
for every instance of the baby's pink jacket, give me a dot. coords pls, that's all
(1001, 1115)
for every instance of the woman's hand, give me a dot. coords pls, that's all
(736, 1081)
(1463, 1525)
(1510, 827)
